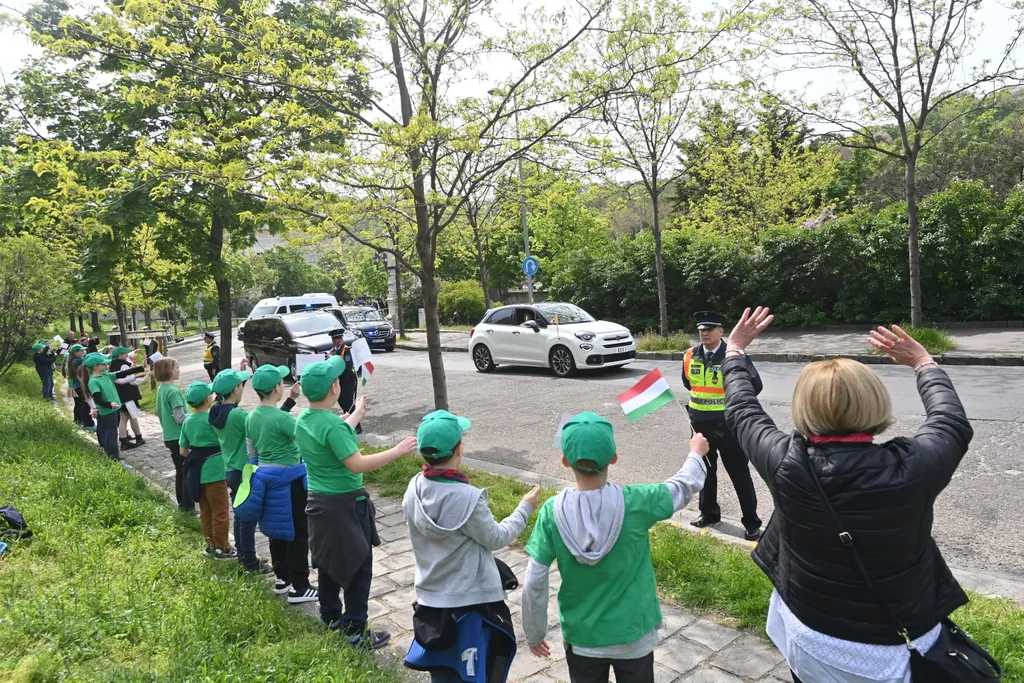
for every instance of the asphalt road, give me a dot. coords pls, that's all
(516, 411)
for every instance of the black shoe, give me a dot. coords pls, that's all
(370, 640)
(139, 440)
(705, 521)
(752, 534)
(298, 597)
(256, 565)
(127, 444)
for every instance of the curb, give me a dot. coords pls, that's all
(444, 348)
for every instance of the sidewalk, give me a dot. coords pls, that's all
(693, 650)
(977, 347)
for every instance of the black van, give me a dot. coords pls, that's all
(276, 339)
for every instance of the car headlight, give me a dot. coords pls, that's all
(585, 336)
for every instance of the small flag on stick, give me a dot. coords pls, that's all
(646, 396)
(362, 358)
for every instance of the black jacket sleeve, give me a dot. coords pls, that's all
(757, 434)
(755, 377)
(97, 398)
(288, 404)
(686, 380)
(942, 441)
(129, 371)
(215, 351)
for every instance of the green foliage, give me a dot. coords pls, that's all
(652, 341)
(369, 279)
(294, 275)
(113, 586)
(935, 341)
(461, 302)
(34, 290)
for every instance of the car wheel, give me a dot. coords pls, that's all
(389, 349)
(561, 361)
(482, 358)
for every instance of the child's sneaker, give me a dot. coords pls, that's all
(256, 566)
(209, 552)
(139, 440)
(126, 443)
(228, 554)
(282, 587)
(370, 640)
(308, 595)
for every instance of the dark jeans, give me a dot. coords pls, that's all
(245, 532)
(347, 399)
(83, 414)
(357, 595)
(180, 495)
(593, 670)
(106, 434)
(721, 440)
(46, 378)
(290, 559)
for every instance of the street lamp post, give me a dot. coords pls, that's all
(522, 202)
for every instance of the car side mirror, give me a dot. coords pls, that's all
(532, 324)
(278, 340)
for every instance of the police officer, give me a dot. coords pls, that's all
(211, 355)
(702, 375)
(349, 383)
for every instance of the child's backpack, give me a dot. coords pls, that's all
(12, 524)
(477, 648)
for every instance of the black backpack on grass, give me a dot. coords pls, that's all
(12, 524)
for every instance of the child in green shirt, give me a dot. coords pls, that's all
(101, 386)
(172, 411)
(204, 470)
(598, 534)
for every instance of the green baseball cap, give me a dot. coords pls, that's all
(318, 377)
(76, 347)
(441, 431)
(197, 393)
(93, 359)
(588, 436)
(37, 346)
(226, 380)
(267, 377)
(119, 350)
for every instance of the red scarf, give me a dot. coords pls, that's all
(444, 474)
(849, 438)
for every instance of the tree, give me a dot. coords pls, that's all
(295, 275)
(32, 294)
(907, 60)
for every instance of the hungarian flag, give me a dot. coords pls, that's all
(362, 358)
(646, 396)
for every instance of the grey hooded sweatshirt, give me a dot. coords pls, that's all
(453, 534)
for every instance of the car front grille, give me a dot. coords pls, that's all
(610, 358)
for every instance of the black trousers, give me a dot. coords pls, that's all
(592, 670)
(83, 414)
(212, 370)
(347, 400)
(795, 679)
(357, 594)
(722, 442)
(290, 559)
(180, 495)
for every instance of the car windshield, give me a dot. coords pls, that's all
(263, 310)
(566, 314)
(361, 315)
(308, 325)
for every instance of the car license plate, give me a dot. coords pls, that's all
(622, 349)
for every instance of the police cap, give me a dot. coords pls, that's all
(707, 320)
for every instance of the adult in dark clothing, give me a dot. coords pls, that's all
(702, 376)
(211, 356)
(44, 357)
(130, 397)
(92, 346)
(349, 380)
(822, 618)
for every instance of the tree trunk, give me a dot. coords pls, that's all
(95, 321)
(434, 335)
(659, 262)
(479, 254)
(81, 323)
(148, 313)
(399, 304)
(72, 328)
(216, 247)
(914, 249)
(122, 321)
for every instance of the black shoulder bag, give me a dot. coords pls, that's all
(954, 658)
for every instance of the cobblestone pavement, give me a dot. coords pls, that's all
(693, 650)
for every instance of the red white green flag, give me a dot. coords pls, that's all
(646, 396)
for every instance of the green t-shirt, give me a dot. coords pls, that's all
(615, 601)
(168, 397)
(104, 385)
(273, 434)
(197, 432)
(232, 439)
(325, 441)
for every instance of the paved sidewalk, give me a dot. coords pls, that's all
(693, 650)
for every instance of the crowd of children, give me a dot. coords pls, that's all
(300, 479)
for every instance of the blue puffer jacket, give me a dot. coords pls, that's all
(270, 500)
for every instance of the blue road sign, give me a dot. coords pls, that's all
(531, 266)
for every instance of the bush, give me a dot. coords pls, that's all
(461, 303)
(936, 342)
(652, 341)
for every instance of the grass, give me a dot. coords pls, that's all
(934, 341)
(112, 586)
(710, 576)
(652, 341)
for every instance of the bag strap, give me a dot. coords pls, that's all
(846, 538)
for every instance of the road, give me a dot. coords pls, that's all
(515, 412)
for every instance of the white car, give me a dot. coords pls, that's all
(562, 337)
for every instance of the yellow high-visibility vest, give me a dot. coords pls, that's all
(707, 390)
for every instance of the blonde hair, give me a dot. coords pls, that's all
(840, 397)
(163, 369)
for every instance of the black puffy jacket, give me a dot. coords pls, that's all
(883, 494)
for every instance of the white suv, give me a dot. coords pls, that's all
(562, 337)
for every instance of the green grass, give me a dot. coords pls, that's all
(652, 341)
(709, 576)
(936, 342)
(113, 588)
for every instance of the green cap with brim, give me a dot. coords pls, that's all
(119, 350)
(318, 377)
(75, 348)
(227, 380)
(37, 346)
(93, 359)
(267, 377)
(588, 436)
(440, 431)
(197, 393)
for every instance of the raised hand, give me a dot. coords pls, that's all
(749, 326)
(296, 389)
(899, 346)
(533, 497)
(406, 446)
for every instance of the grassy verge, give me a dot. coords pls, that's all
(113, 587)
(652, 341)
(706, 575)
(936, 342)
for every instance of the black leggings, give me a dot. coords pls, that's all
(180, 494)
(795, 679)
(290, 559)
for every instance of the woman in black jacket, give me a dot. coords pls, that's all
(130, 397)
(830, 627)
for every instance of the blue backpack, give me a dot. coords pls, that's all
(481, 651)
